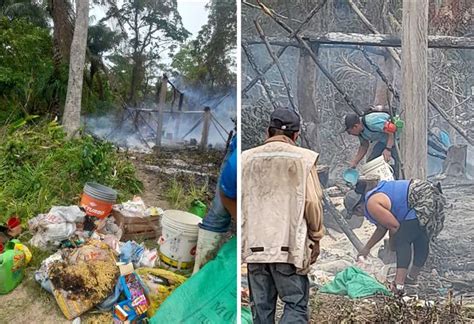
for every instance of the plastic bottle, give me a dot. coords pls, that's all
(12, 265)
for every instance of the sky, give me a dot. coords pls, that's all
(193, 14)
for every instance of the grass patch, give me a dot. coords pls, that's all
(40, 167)
(183, 190)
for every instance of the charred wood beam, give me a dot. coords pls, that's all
(253, 6)
(311, 53)
(278, 64)
(282, 50)
(341, 221)
(381, 40)
(372, 28)
(263, 81)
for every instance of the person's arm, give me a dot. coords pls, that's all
(313, 212)
(387, 153)
(230, 205)
(379, 206)
(228, 185)
(363, 148)
(378, 235)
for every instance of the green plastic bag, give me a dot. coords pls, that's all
(210, 296)
(246, 316)
(355, 283)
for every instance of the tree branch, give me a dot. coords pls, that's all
(278, 64)
(349, 102)
(282, 50)
(263, 81)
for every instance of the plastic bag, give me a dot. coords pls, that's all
(209, 296)
(355, 283)
(57, 225)
(160, 284)
(131, 251)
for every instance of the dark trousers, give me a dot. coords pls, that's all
(378, 150)
(410, 232)
(269, 280)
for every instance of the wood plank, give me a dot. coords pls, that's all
(382, 40)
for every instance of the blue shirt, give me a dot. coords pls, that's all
(397, 192)
(374, 124)
(228, 178)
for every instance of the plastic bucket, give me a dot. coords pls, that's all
(179, 234)
(97, 200)
(379, 168)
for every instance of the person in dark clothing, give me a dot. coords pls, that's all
(412, 211)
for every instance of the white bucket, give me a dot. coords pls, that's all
(178, 239)
(379, 168)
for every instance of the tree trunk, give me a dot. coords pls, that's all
(72, 109)
(306, 93)
(63, 29)
(414, 87)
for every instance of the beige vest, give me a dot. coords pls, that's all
(274, 229)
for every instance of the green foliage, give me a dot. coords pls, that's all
(39, 168)
(25, 68)
(208, 59)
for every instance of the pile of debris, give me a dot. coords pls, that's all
(95, 262)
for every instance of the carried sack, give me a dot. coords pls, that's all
(428, 201)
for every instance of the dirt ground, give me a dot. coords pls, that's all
(29, 303)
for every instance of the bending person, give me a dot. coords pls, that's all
(412, 211)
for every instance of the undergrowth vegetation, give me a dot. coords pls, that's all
(182, 191)
(40, 167)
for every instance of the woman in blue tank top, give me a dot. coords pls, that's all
(390, 208)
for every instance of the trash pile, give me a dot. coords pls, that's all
(96, 261)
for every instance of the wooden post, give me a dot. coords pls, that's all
(161, 107)
(205, 128)
(414, 88)
(180, 104)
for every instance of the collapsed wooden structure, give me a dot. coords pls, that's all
(415, 17)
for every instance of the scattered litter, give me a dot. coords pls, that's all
(160, 284)
(59, 224)
(84, 278)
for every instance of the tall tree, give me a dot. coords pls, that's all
(149, 25)
(61, 12)
(72, 109)
(215, 43)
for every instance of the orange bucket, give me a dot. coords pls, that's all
(97, 200)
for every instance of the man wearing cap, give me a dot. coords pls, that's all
(412, 211)
(281, 220)
(373, 127)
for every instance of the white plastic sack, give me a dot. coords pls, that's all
(57, 225)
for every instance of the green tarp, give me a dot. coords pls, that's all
(210, 296)
(355, 283)
(246, 316)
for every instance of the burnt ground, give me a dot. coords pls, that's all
(29, 303)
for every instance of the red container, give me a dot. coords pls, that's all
(96, 207)
(13, 222)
